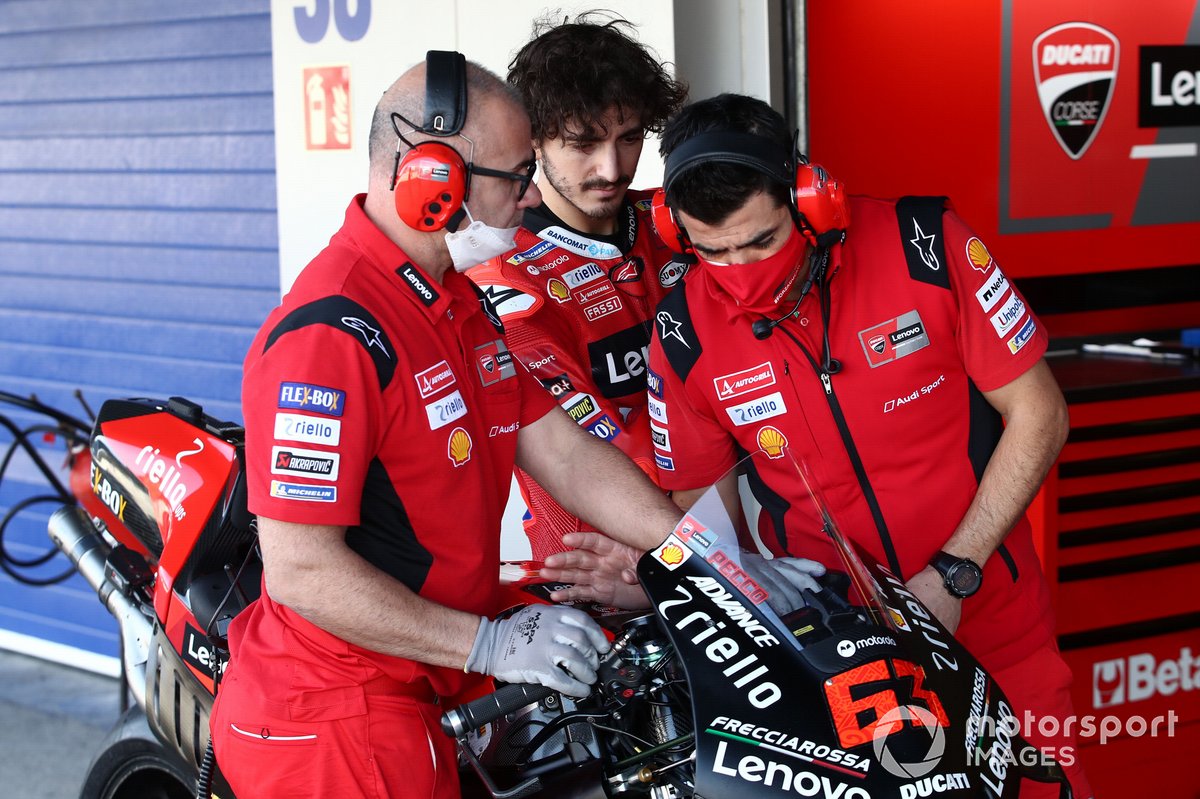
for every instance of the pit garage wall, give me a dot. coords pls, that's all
(137, 238)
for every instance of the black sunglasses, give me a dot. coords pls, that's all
(524, 178)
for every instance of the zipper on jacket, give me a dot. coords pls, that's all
(860, 471)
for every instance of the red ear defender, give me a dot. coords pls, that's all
(431, 186)
(821, 202)
(665, 225)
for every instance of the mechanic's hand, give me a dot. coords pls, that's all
(546, 644)
(784, 579)
(599, 570)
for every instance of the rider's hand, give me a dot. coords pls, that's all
(546, 644)
(599, 569)
(784, 579)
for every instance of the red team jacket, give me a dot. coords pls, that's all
(576, 310)
(922, 320)
(379, 399)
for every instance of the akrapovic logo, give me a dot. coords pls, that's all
(304, 462)
(1143, 676)
(1075, 67)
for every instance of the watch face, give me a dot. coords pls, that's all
(963, 579)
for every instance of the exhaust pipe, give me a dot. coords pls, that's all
(72, 531)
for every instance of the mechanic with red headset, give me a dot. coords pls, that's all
(383, 415)
(880, 343)
(577, 293)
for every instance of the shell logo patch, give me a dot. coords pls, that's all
(672, 553)
(772, 441)
(458, 447)
(978, 255)
(558, 290)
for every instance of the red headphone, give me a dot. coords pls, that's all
(431, 181)
(818, 201)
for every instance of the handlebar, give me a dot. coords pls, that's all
(478, 712)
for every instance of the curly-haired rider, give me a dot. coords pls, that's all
(577, 293)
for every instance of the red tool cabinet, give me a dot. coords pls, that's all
(1118, 525)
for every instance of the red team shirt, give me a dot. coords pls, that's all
(922, 320)
(379, 399)
(576, 310)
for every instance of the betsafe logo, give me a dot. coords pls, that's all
(1143, 676)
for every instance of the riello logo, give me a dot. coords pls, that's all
(1075, 67)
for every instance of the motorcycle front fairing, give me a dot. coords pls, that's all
(860, 694)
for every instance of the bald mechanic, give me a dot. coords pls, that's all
(577, 292)
(384, 415)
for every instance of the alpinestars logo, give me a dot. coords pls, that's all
(1075, 66)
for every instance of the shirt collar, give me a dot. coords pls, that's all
(432, 298)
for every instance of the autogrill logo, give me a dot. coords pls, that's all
(588, 295)
(745, 381)
(434, 379)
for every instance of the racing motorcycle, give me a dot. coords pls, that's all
(858, 693)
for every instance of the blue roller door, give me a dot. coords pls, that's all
(138, 236)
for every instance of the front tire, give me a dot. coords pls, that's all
(133, 764)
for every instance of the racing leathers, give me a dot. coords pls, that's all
(576, 310)
(876, 384)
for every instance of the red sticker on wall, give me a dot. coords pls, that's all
(327, 108)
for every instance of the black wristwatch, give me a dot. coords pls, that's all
(961, 576)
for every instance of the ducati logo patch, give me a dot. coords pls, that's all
(1075, 66)
(895, 338)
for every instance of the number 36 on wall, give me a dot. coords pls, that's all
(312, 19)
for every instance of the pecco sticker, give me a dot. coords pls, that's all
(1075, 67)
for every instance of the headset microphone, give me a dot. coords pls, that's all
(762, 328)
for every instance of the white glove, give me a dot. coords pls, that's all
(784, 579)
(550, 645)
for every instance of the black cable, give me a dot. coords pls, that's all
(71, 429)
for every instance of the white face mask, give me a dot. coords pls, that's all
(478, 242)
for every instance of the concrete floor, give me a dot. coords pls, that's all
(52, 720)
